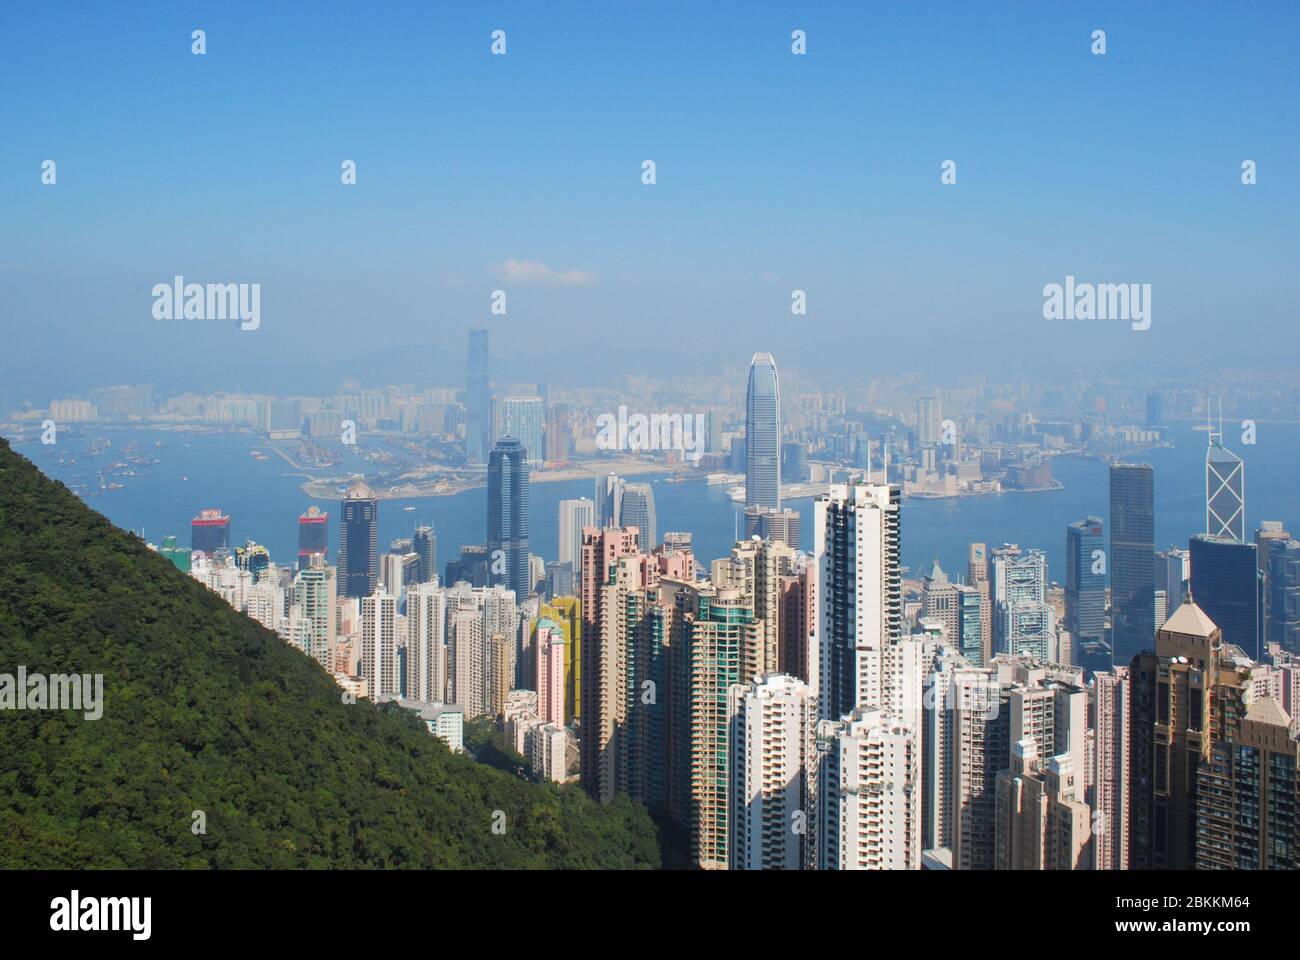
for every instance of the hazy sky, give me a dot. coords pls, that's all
(774, 172)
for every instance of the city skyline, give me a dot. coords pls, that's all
(680, 438)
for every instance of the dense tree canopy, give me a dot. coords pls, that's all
(205, 710)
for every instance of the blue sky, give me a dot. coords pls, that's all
(775, 172)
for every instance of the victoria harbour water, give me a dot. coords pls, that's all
(264, 499)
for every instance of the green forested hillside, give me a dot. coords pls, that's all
(206, 710)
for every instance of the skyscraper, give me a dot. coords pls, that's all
(977, 572)
(314, 594)
(1248, 795)
(379, 645)
(313, 535)
(1132, 572)
(609, 501)
(210, 532)
(870, 793)
(1189, 694)
(928, 430)
(774, 771)
(1283, 584)
(1024, 623)
(1265, 534)
(1172, 569)
(1085, 581)
(507, 520)
(426, 648)
(566, 613)
(599, 691)
(971, 708)
(549, 679)
(939, 601)
(860, 602)
(559, 433)
(639, 511)
(359, 544)
(575, 515)
(425, 545)
(1111, 694)
(715, 630)
(478, 399)
(756, 569)
(971, 608)
(1225, 491)
(1225, 584)
(763, 434)
(1155, 410)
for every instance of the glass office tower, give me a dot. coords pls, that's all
(763, 435)
(1132, 560)
(507, 519)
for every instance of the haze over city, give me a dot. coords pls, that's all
(774, 173)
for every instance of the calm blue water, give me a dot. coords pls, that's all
(264, 500)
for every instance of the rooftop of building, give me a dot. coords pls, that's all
(358, 490)
(426, 710)
(1189, 619)
(1267, 710)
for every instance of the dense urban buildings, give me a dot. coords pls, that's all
(830, 709)
(817, 711)
(971, 582)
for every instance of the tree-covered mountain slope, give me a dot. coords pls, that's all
(205, 710)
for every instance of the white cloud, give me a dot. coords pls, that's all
(530, 271)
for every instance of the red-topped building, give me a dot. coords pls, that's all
(313, 535)
(210, 532)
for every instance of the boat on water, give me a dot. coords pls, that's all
(408, 509)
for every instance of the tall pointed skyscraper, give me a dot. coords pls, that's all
(1225, 489)
(507, 519)
(763, 434)
(478, 399)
